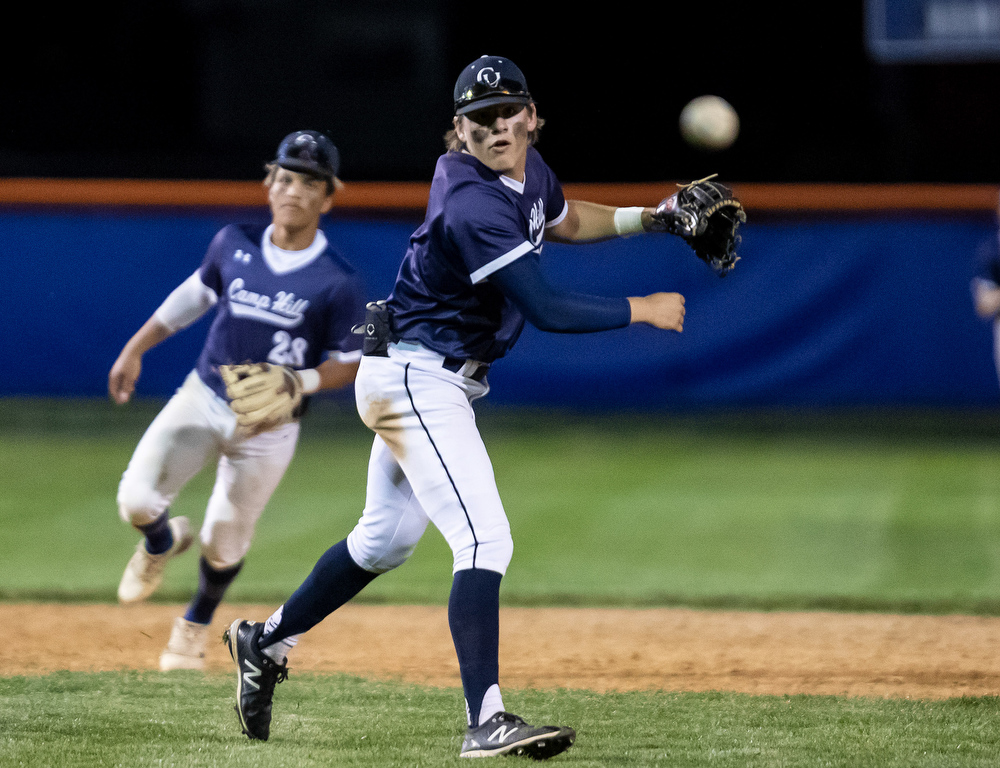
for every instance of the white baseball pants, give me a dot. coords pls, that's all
(428, 463)
(195, 427)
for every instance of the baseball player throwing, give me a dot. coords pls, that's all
(470, 278)
(284, 299)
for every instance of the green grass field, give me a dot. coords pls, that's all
(184, 720)
(877, 511)
(885, 511)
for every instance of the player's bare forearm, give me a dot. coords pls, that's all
(334, 374)
(660, 310)
(584, 223)
(587, 222)
(127, 368)
(147, 337)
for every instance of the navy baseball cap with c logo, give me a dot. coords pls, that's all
(487, 81)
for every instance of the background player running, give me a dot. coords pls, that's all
(283, 295)
(470, 277)
(986, 289)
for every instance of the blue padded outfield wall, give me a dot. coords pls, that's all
(822, 312)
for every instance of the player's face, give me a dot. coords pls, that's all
(497, 136)
(298, 199)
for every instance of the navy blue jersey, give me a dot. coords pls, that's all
(477, 222)
(290, 318)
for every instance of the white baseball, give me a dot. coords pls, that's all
(709, 122)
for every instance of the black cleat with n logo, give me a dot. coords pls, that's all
(256, 676)
(507, 734)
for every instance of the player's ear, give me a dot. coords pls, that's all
(532, 117)
(459, 128)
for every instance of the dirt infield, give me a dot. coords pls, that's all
(928, 657)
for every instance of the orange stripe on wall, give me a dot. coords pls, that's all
(362, 195)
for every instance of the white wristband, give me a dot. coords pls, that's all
(310, 380)
(628, 221)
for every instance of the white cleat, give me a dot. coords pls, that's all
(186, 647)
(144, 571)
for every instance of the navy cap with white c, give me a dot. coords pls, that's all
(487, 81)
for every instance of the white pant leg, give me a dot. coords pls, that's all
(425, 417)
(194, 427)
(175, 447)
(393, 520)
(247, 475)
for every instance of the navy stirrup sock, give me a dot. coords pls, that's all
(474, 618)
(334, 580)
(212, 586)
(159, 537)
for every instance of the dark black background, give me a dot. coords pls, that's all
(206, 88)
